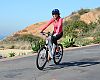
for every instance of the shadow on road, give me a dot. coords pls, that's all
(80, 63)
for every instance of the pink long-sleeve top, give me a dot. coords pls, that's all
(57, 25)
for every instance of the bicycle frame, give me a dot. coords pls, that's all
(47, 35)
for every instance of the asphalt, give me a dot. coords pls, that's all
(77, 64)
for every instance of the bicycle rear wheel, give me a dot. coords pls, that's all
(57, 57)
(41, 58)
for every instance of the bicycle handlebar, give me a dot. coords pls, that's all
(44, 33)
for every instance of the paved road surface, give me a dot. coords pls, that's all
(78, 64)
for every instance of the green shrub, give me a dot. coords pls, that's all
(97, 40)
(83, 11)
(41, 42)
(98, 20)
(75, 17)
(28, 37)
(12, 47)
(12, 54)
(96, 34)
(73, 13)
(82, 42)
(36, 45)
(68, 41)
(71, 27)
(98, 8)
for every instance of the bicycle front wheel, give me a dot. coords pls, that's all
(41, 58)
(58, 54)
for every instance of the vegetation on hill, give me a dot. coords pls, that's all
(26, 41)
(78, 33)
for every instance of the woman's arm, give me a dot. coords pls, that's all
(45, 26)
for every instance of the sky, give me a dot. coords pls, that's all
(16, 15)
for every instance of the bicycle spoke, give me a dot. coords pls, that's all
(41, 58)
(58, 54)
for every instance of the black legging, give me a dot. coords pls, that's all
(55, 38)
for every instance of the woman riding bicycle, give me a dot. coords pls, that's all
(57, 22)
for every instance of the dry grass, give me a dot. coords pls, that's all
(19, 48)
(16, 45)
(18, 52)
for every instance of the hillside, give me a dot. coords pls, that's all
(85, 15)
(91, 16)
(34, 29)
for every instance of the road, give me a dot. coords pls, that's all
(77, 64)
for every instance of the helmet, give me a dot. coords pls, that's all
(55, 11)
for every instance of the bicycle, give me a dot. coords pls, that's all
(42, 56)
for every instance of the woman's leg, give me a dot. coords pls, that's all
(54, 40)
(50, 46)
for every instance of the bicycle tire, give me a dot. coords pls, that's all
(37, 59)
(54, 56)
